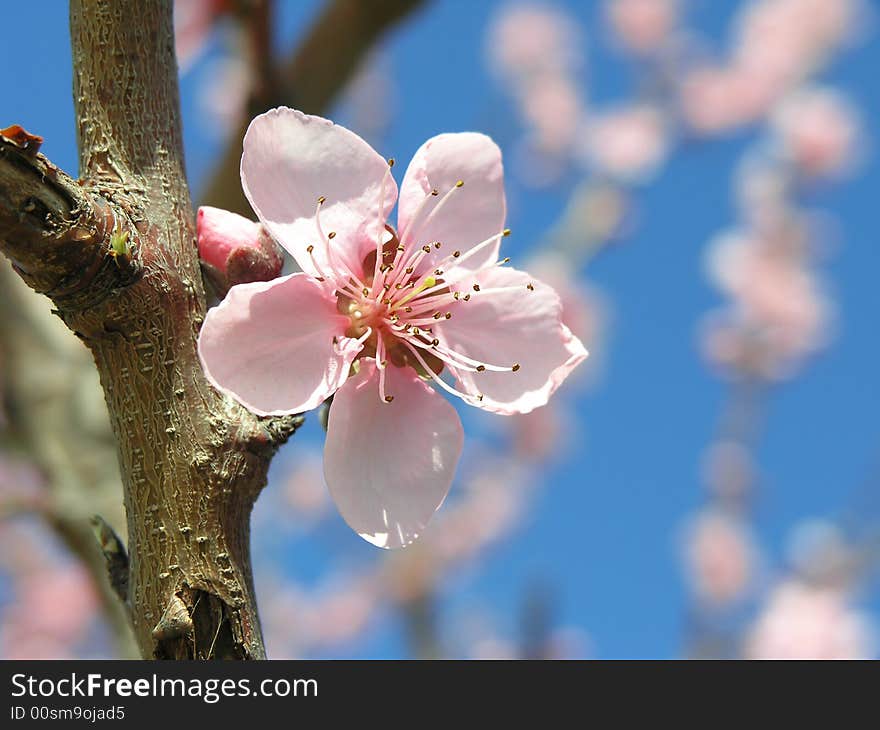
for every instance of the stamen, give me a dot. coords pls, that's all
(381, 365)
(405, 236)
(381, 225)
(462, 257)
(337, 264)
(437, 379)
(427, 283)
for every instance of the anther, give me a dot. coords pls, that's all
(435, 342)
(437, 315)
(310, 248)
(459, 183)
(437, 244)
(479, 396)
(481, 368)
(331, 235)
(438, 272)
(366, 291)
(476, 287)
(530, 286)
(389, 398)
(390, 162)
(505, 232)
(448, 315)
(456, 254)
(321, 200)
(515, 367)
(409, 269)
(435, 192)
(426, 248)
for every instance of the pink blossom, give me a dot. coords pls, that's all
(642, 25)
(304, 488)
(193, 22)
(552, 109)
(818, 130)
(784, 40)
(223, 93)
(627, 143)
(54, 607)
(526, 41)
(716, 99)
(780, 312)
(804, 621)
(720, 558)
(379, 313)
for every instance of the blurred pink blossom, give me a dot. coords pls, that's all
(552, 110)
(802, 621)
(532, 40)
(716, 99)
(720, 557)
(778, 313)
(628, 143)
(193, 22)
(304, 488)
(52, 610)
(223, 93)
(785, 40)
(818, 130)
(642, 26)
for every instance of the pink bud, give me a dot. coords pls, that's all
(235, 250)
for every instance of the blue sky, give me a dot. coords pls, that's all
(603, 532)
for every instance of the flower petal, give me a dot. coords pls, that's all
(505, 323)
(292, 159)
(471, 214)
(270, 345)
(389, 466)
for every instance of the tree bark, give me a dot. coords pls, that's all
(116, 253)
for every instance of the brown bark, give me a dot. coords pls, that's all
(192, 461)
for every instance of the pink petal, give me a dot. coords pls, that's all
(389, 465)
(506, 323)
(292, 159)
(270, 345)
(471, 214)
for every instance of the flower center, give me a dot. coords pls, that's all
(395, 304)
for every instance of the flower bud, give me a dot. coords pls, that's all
(234, 250)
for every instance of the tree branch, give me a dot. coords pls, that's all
(310, 79)
(192, 461)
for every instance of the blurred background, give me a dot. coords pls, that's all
(698, 179)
